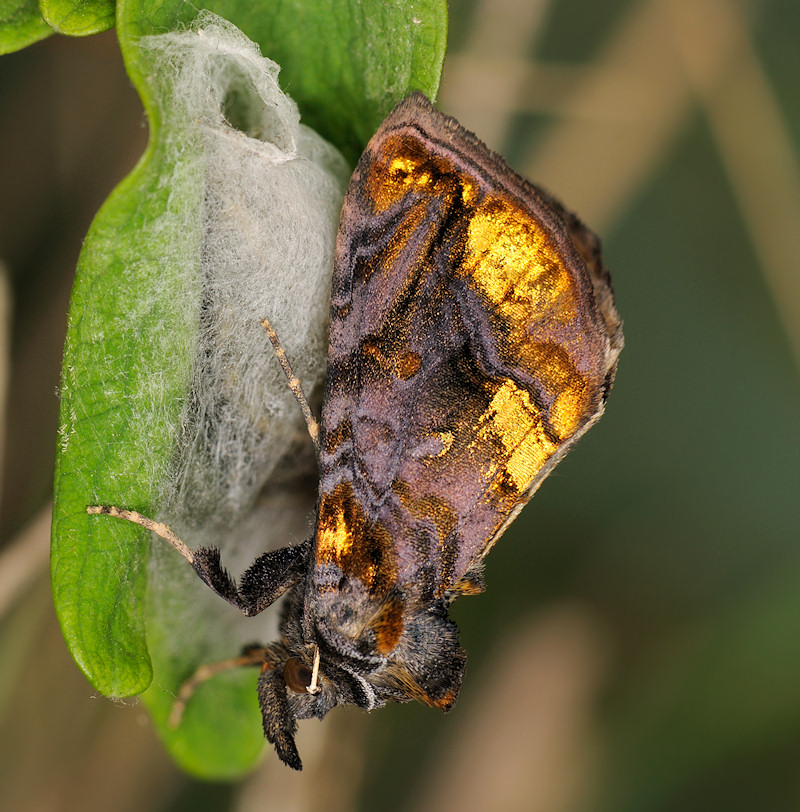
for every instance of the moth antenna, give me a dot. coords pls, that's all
(294, 384)
(159, 528)
(313, 687)
(253, 656)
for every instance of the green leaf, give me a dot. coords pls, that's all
(127, 361)
(136, 368)
(21, 24)
(78, 18)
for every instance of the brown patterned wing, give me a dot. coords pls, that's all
(473, 339)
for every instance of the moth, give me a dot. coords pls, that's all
(473, 340)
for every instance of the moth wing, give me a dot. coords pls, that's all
(473, 339)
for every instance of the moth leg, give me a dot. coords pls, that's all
(294, 384)
(280, 725)
(271, 574)
(159, 528)
(252, 655)
(267, 578)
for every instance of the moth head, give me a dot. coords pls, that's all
(287, 692)
(297, 682)
(301, 679)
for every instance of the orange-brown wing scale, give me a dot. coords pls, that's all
(473, 339)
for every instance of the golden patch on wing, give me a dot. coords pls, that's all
(403, 364)
(515, 264)
(514, 420)
(560, 380)
(361, 549)
(334, 528)
(407, 364)
(403, 166)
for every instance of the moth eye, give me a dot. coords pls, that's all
(297, 675)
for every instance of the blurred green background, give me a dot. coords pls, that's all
(638, 647)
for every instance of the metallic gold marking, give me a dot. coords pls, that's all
(469, 190)
(569, 408)
(403, 366)
(558, 377)
(407, 365)
(404, 166)
(515, 421)
(515, 264)
(361, 549)
(334, 539)
(447, 438)
(529, 457)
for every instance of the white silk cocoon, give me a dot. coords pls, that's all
(272, 190)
